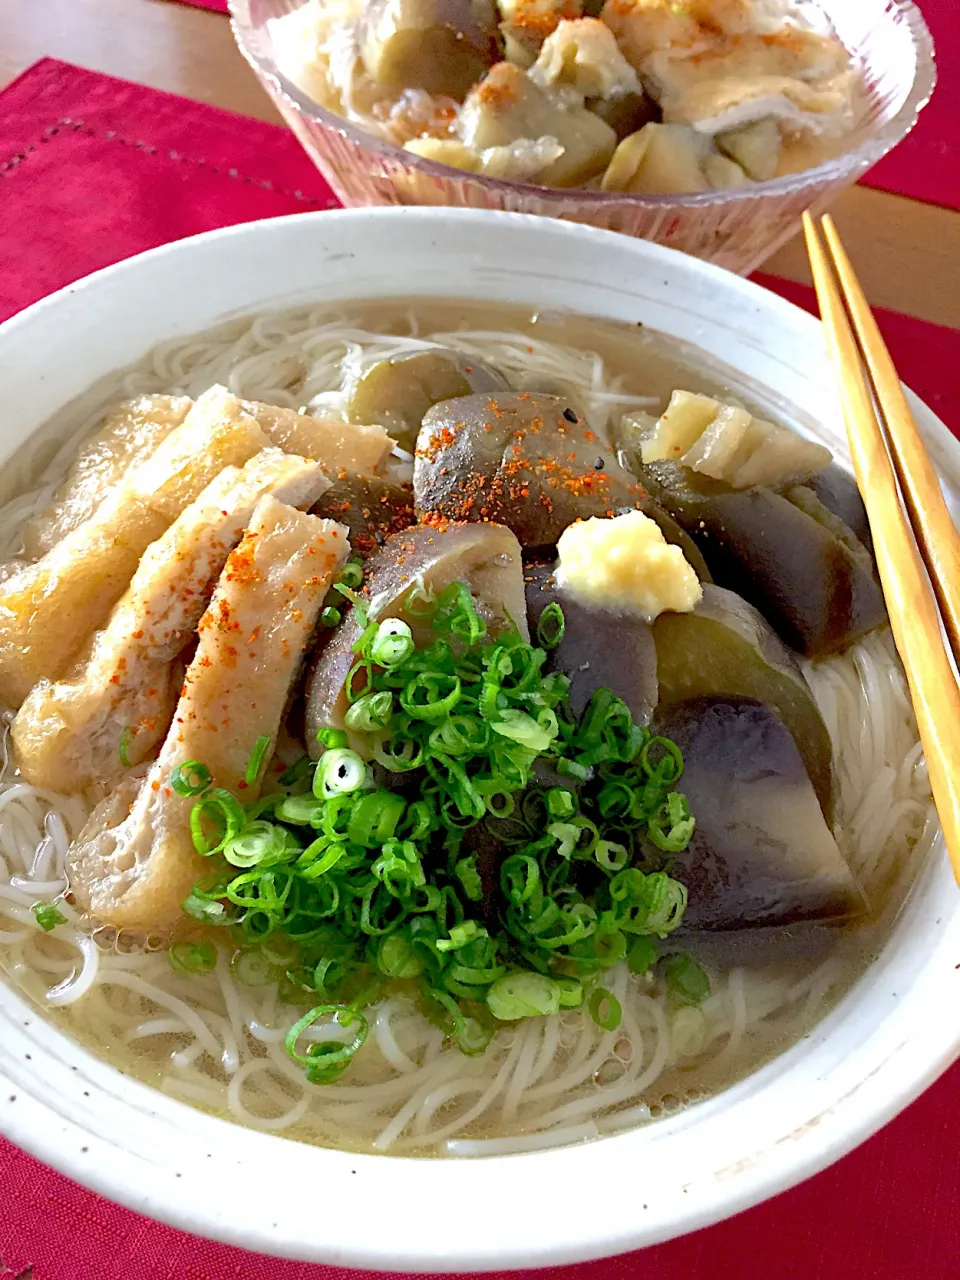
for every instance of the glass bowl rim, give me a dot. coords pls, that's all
(847, 166)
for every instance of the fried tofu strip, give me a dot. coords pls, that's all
(128, 437)
(340, 446)
(49, 609)
(85, 731)
(134, 863)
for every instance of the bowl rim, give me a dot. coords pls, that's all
(848, 166)
(107, 1166)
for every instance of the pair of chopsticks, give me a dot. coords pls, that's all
(916, 542)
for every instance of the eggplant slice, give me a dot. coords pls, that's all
(598, 649)
(803, 568)
(724, 646)
(372, 508)
(397, 393)
(523, 459)
(761, 853)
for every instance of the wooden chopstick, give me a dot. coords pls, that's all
(933, 528)
(914, 616)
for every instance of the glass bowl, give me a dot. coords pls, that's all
(735, 228)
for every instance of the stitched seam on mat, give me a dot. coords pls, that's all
(67, 126)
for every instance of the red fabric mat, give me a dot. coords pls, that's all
(926, 166)
(218, 6)
(93, 170)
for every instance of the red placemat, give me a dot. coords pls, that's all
(218, 6)
(94, 169)
(926, 166)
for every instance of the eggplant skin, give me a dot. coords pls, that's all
(524, 459)
(598, 649)
(761, 853)
(397, 393)
(485, 556)
(810, 578)
(677, 537)
(441, 46)
(839, 493)
(724, 646)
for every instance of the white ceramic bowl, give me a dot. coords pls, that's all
(890, 1037)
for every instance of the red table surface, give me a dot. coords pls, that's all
(93, 170)
(927, 165)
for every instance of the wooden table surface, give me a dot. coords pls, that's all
(904, 251)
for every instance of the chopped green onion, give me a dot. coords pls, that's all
(460, 935)
(190, 778)
(566, 835)
(669, 767)
(186, 957)
(561, 803)
(610, 855)
(354, 690)
(523, 995)
(47, 916)
(431, 695)
(466, 872)
(259, 843)
(686, 980)
(571, 769)
(330, 616)
(372, 711)
(604, 1009)
(550, 626)
(224, 812)
(122, 749)
(397, 959)
(351, 574)
(326, 1060)
(375, 817)
(392, 644)
(319, 858)
(520, 727)
(207, 910)
(672, 829)
(360, 605)
(337, 892)
(301, 811)
(642, 954)
(339, 772)
(253, 968)
(252, 772)
(398, 755)
(571, 992)
(472, 1036)
(500, 804)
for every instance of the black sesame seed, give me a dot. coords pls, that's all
(570, 415)
(598, 465)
